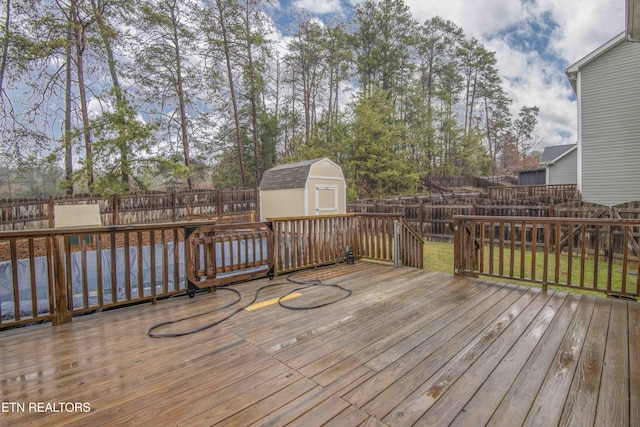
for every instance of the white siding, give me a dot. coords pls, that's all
(565, 170)
(610, 109)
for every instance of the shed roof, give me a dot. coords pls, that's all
(289, 175)
(552, 154)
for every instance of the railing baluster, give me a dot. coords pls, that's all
(596, 256)
(625, 257)
(534, 249)
(570, 253)
(512, 237)
(611, 230)
(583, 253)
(49, 242)
(492, 228)
(556, 240)
(523, 248)
(14, 279)
(83, 264)
(165, 263)
(32, 279)
(139, 265)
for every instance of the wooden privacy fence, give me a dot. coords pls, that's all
(439, 183)
(141, 208)
(54, 274)
(560, 192)
(588, 254)
(433, 220)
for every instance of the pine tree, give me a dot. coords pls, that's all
(375, 161)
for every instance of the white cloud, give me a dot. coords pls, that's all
(315, 7)
(475, 18)
(96, 108)
(583, 26)
(532, 77)
(534, 41)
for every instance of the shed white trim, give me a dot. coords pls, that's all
(319, 187)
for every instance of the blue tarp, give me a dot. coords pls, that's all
(42, 291)
(40, 273)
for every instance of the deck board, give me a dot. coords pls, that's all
(487, 397)
(613, 405)
(515, 405)
(408, 346)
(580, 407)
(634, 362)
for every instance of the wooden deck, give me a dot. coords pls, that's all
(407, 347)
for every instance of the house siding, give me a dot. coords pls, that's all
(565, 170)
(610, 108)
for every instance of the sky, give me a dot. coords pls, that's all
(534, 41)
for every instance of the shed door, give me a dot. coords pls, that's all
(326, 199)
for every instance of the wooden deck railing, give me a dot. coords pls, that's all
(411, 247)
(302, 242)
(588, 254)
(227, 253)
(55, 273)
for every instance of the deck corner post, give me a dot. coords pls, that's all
(457, 244)
(62, 314)
(396, 244)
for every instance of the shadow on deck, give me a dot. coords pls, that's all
(408, 346)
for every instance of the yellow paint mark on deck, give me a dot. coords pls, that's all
(272, 301)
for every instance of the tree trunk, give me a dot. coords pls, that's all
(86, 131)
(119, 95)
(182, 108)
(5, 46)
(252, 97)
(68, 152)
(236, 114)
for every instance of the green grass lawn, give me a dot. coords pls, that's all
(438, 256)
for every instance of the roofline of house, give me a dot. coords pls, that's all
(553, 162)
(572, 70)
(532, 170)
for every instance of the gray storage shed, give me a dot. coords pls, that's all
(311, 187)
(532, 177)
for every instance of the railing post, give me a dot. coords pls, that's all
(421, 218)
(173, 206)
(116, 209)
(457, 248)
(50, 213)
(396, 244)
(62, 314)
(256, 201)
